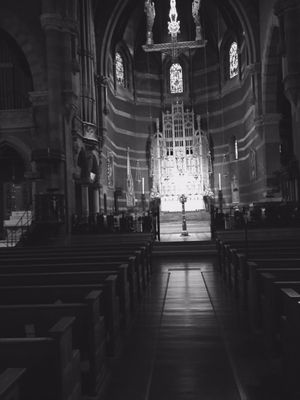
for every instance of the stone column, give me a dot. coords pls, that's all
(60, 27)
(255, 72)
(85, 200)
(268, 163)
(88, 62)
(96, 193)
(39, 101)
(288, 12)
(52, 25)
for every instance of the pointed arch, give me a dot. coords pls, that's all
(15, 75)
(123, 68)
(30, 45)
(19, 146)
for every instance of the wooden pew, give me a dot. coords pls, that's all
(259, 234)
(262, 293)
(237, 270)
(245, 278)
(11, 383)
(52, 366)
(58, 282)
(125, 285)
(272, 298)
(82, 258)
(290, 332)
(224, 246)
(88, 332)
(141, 253)
(237, 260)
(117, 237)
(99, 242)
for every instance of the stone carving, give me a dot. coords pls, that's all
(150, 14)
(196, 17)
(173, 24)
(149, 9)
(110, 170)
(195, 11)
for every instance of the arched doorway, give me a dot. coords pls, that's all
(15, 190)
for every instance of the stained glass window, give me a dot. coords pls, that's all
(176, 78)
(120, 70)
(233, 60)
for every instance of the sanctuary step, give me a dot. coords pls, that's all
(199, 248)
(200, 215)
(196, 221)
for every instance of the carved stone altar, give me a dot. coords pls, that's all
(180, 160)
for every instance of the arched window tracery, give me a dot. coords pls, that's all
(176, 78)
(233, 60)
(15, 76)
(120, 69)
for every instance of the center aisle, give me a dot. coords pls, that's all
(175, 350)
(190, 357)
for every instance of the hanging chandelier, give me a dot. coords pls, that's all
(174, 47)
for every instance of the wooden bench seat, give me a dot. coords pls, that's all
(224, 247)
(56, 283)
(237, 268)
(109, 237)
(236, 263)
(262, 293)
(52, 366)
(259, 234)
(245, 273)
(140, 252)
(126, 283)
(83, 258)
(88, 334)
(290, 333)
(11, 381)
(269, 296)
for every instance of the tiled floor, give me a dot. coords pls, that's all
(188, 342)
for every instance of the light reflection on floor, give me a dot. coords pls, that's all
(177, 237)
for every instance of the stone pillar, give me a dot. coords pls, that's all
(255, 72)
(85, 200)
(88, 62)
(268, 163)
(52, 25)
(96, 193)
(59, 23)
(288, 12)
(39, 101)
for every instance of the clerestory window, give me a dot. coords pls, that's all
(120, 70)
(233, 60)
(176, 78)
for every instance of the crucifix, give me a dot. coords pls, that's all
(174, 47)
